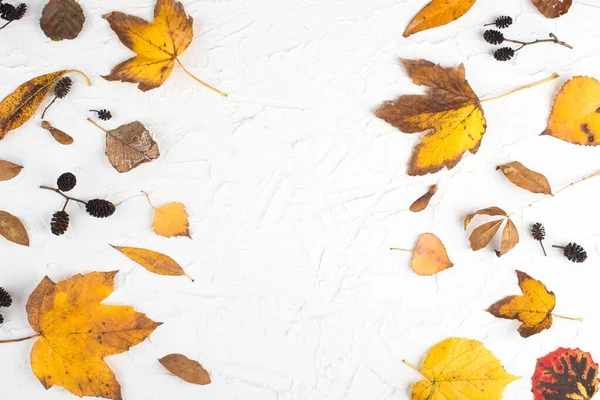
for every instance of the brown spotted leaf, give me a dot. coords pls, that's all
(62, 19)
(491, 211)
(483, 235)
(422, 202)
(129, 146)
(525, 178)
(510, 238)
(565, 374)
(553, 8)
(58, 135)
(8, 170)
(189, 370)
(12, 229)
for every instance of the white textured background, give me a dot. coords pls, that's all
(295, 193)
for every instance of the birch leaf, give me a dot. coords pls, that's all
(170, 220)
(429, 255)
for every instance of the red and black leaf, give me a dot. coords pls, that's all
(565, 374)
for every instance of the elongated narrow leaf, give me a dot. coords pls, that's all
(491, 211)
(438, 13)
(483, 235)
(12, 229)
(153, 261)
(8, 170)
(189, 370)
(525, 178)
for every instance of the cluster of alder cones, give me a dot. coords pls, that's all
(572, 251)
(5, 301)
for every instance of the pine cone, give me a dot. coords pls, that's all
(100, 208)
(61, 89)
(1, 319)
(538, 231)
(9, 12)
(21, 10)
(503, 22)
(575, 253)
(66, 181)
(104, 115)
(493, 37)
(60, 223)
(5, 299)
(504, 54)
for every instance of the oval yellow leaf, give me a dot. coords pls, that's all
(525, 178)
(458, 368)
(429, 256)
(438, 13)
(189, 370)
(12, 229)
(153, 261)
(8, 170)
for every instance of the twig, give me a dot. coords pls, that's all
(48, 106)
(63, 195)
(553, 39)
(6, 24)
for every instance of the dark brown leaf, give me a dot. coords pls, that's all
(62, 19)
(525, 178)
(129, 146)
(12, 229)
(483, 235)
(510, 238)
(492, 211)
(553, 8)
(422, 202)
(58, 135)
(8, 170)
(189, 370)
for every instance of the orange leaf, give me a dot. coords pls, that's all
(153, 261)
(189, 370)
(429, 256)
(525, 178)
(170, 220)
(438, 13)
(483, 235)
(422, 202)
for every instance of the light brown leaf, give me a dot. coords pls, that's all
(129, 146)
(189, 370)
(438, 13)
(429, 255)
(12, 229)
(422, 202)
(153, 261)
(525, 178)
(553, 8)
(58, 135)
(62, 19)
(483, 235)
(8, 170)
(492, 211)
(510, 238)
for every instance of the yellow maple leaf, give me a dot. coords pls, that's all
(158, 44)
(170, 220)
(76, 333)
(438, 13)
(458, 368)
(534, 308)
(575, 115)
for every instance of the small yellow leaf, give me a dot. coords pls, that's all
(170, 220)
(525, 178)
(461, 369)
(153, 261)
(438, 13)
(429, 255)
(422, 202)
(189, 370)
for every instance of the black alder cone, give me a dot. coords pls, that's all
(575, 253)
(59, 223)
(504, 54)
(66, 181)
(63, 87)
(1, 319)
(100, 208)
(538, 231)
(104, 115)
(9, 12)
(493, 37)
(503, 22)
(5, 299)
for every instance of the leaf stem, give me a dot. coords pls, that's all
(550, 78)
(149, 202)
(413, 367)
(20, 339)
(89, 82)
(48, 106)
(569, 318)
(563, 188)
(199, 81)
(63, 195)
(401, 249)
(553, 39)
(97, 126)
(6, 24)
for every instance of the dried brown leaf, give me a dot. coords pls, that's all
(129, 146)
(8, 170)
(510, 238)
(189, 370)
(491, 211)
(422, 202)
(483, 235)
(553, 8)
(429, 255)
(62, 19)
(12, 229)
(58, 135)
(525, 178)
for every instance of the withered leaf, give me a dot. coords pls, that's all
(422, 202)
(525, 178)
(510, 238)
(553, 8)
(58, 135)
(429, 255)
(62, 19)
(129, 146)
(189, 370)
(483, 234)
(20, 105)
(153, 261)
(491, 211)
(8, 170)
(12, 229)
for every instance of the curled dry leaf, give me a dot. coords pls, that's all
(525, 178)
(19, 106)
(9, 170)
(189, 370)
(58, 135)
(429, 255)
(153, 261)
(129, 146)
(483, 234)
(438, 13)
(534, 308)
(422, 202)
(553, 8)
(458, 368)
(491, 211)
(12, 229)
(62, 19)
(450, 112)
(170, 220)
(575, 114)
(510, 238)
(565, 374)
(76, 332)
